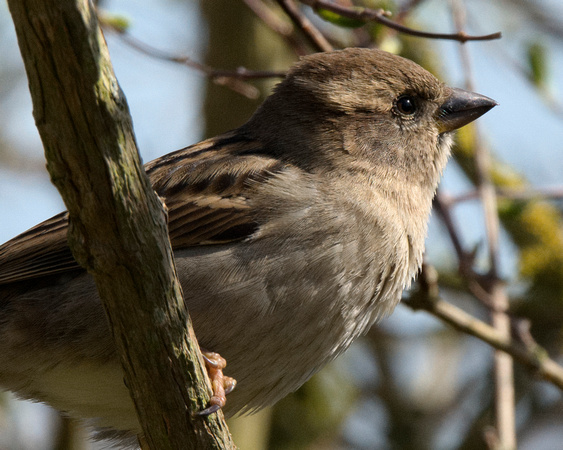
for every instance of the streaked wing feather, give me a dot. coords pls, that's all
(40, 251)
(200, 222)
(205, 188)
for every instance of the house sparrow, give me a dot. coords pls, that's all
(292, 235)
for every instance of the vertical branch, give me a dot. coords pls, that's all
(117, 224)
(503, 364)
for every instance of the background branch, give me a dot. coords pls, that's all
(503, 366)
(277, 24)
(530, 354)
(380, 16)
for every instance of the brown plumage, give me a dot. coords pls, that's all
(292, 235)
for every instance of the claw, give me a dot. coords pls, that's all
(207, 411)
(214, 360)
(220, 384)
(229, 384)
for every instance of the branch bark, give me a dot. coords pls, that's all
(118, 228)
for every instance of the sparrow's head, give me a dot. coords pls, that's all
(380, 108)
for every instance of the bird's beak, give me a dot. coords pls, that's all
(461, 108)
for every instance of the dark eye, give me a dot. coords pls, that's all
(406, 105)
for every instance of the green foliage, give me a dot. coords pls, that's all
(419, 51)
(339, 20)
(120, 22)
(537, 59)
(348, 22)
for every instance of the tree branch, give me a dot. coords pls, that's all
(118, 228)
(529, 354)
(372, 15)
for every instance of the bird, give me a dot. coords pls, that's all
(292, 235)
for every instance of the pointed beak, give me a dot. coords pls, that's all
(461, 108)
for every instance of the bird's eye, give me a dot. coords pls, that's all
(406, 105)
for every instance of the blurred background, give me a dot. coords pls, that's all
(412, 382)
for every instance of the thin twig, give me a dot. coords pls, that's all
(546, 193)
(441, 206)
(406, 9)
(380, 16)
(503, 365)
(279, 26)
(476, 282)
(315, 37)
(233, 79)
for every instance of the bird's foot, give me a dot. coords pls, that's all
(220, 384)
